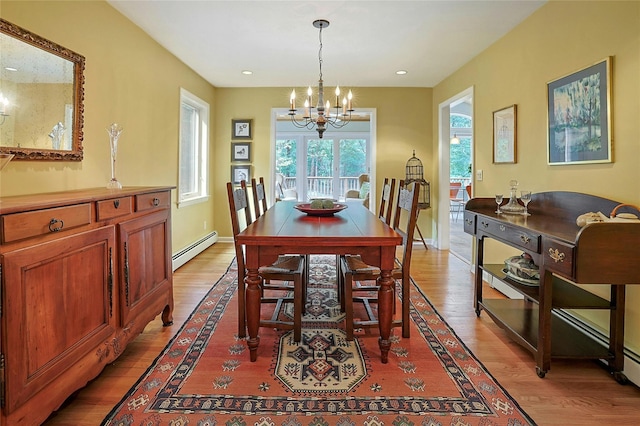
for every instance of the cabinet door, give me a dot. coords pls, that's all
(145, 267)
(58, 306)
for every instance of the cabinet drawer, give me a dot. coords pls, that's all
(558, 257)
(514, 235)
(470, 223)
(153, 200)
(108, 209)
(19, 226)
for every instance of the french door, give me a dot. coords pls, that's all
(322, 168)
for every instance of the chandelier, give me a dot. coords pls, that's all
(323, 114)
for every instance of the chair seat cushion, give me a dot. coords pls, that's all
(283, 264)
(355, 265)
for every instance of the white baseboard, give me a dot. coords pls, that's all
(185, 255)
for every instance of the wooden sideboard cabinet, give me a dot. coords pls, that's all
(82, 273)
(566, 254)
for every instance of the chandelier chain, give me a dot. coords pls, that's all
(320, 52)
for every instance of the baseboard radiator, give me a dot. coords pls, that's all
(185, 255)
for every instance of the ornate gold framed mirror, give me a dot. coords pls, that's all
(41, 97)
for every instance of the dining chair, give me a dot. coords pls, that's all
(386, 200)
(259, 207)
(384, 214)
(354, 271)
(259, 197)
(456, 203)
(286, 274)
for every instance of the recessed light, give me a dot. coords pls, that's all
(247, 72)
(401, 72)
(10, 69)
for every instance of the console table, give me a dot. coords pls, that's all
(81, 273)
(566, 254)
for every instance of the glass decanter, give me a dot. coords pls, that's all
(513, 206)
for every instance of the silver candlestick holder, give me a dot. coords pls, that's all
(114, 132)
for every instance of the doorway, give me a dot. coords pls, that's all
(310, 167)
(456, 168)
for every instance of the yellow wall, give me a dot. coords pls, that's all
(558, 39)
(129, 79)
(403, 125)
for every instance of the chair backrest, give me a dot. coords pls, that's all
(405, 220)
(259, 197)
(454, 188)
(239, 209)
(386, 200)
(468, 188)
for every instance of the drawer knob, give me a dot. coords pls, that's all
(469, 221)
(156, 202)
(55, 225)
(525, 239)
(485, 224)
(116, 203)
(503, 228)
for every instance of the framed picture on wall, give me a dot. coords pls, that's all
(579, 116)
(239, 173)
(241, 129)
(241, 152)
(504, 135)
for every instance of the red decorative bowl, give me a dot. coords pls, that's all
(306, 208)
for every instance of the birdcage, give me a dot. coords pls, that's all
(415, 174)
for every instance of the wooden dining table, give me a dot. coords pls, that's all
(283, 229)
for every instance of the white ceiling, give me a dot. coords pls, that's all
(366, 43)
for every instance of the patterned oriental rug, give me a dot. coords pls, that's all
(204, 376)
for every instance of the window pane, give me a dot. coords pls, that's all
(353, 163)
(286, 164)
(320, 168)
(189, 150)
(194, 140)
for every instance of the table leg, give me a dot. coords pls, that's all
(385, 312)
(253, 294)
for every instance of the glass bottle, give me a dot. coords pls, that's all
(513, 206)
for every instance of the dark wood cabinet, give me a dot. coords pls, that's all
(566, 254)
(82, 273)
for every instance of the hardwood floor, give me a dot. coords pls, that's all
(572, 393)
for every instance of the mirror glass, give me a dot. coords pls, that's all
(41, 97)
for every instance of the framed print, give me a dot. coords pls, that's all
(239, 173)
(504, 135)
(241, 129)
(579, 116)
(241, 152)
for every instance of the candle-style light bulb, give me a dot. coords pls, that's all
(337, 96)
(293, 99)
(309, 93)
(349, 97)
(344, 106)
(327, 108)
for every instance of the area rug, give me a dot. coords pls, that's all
(204, 376)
